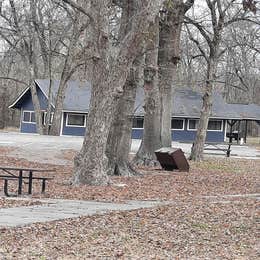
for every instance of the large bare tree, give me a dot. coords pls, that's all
(169, 56)
(221, 14)
(119, 140)
(109, 72)
(164, 40)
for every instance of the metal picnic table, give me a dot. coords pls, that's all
(20, 174)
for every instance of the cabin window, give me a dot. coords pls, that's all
(76, 120)
(177, 124)
(138, 122)
(193, 124)
(215, 125)
(28, 116)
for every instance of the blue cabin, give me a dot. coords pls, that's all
(185, 117)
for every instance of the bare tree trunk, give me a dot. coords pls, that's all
(37, 107)
(91, 164)
(56, 122)
(29, 58)
(33, 71)
(169, 57)
(198, 146)
(119, 141)
(152, 135)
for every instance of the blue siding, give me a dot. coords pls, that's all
(27, 127)
(190, 135)
(137, 133)
(27, 105)
(187, 135)
(177, 135)
(70, 130)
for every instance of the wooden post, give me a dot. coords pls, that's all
(30, 183)
(245, 131)
(20, 182)
(6, 188)
(230, 131)
(238, 132)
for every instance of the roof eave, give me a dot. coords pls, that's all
(19, 97)
(39, 86)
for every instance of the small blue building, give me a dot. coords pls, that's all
(185, 117)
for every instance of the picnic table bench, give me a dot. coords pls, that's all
(211, 146)
(21, 175)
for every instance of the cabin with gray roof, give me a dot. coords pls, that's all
(185, 112)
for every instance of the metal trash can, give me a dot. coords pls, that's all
(172, 158)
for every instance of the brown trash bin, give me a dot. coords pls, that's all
(172, 158)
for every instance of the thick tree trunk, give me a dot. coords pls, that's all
(169, 57)
(152, 135)
(91, 164)
(119, 141)
(198, 146)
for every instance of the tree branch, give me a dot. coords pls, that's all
(201, 29)
(79, 8)
(16, 80)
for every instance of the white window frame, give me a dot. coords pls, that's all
(221, 130)
(30, 122)
(67, 117)
(143, 122)
(45, 115)
(188, 126)
(183, 124)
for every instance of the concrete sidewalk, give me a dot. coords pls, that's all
(49, 149)
(59, 209)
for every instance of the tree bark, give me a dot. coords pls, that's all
(119, 141)
(91, 164)
(198, 146)
(33, 70)
(212, 62)
(151, 140)
(57, 117)
(169, 57)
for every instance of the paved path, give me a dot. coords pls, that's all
(48, 149)
(55, 209)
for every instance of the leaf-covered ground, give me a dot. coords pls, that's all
(7, 203)
(193, 226)
(185, 230)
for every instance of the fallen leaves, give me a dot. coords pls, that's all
(196, 230)
(200, 223)
(7, 203)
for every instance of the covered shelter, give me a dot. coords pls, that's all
(185, 112)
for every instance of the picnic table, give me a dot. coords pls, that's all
(224, 147)
(21, 175)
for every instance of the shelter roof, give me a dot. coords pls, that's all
(186, 102)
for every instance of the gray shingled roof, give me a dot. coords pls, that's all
(77, 96)
(187, 103)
